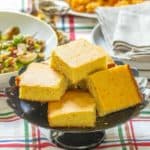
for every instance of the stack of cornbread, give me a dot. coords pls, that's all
(109, 88)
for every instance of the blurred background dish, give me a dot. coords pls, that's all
(81, 8)
(51, 7)
(87, 7)
(31, 26)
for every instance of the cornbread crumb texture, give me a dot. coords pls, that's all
(75, 109)
(41, 83)
(114, 89)
(77, 59)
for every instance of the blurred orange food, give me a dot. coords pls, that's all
(90, 5)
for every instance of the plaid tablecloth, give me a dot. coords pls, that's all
(17, 134)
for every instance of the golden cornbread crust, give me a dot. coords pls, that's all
(78, 59)
(75, 109)
(135, 83)
(113, 89)
(41, 83)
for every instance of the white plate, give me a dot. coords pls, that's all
(28, 25)
(86, 15)
(98, 39)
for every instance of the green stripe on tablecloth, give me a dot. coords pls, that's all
(26, 133)
(77, 28)
(145, 112)
(84, 27)
(6, 114)
(121, 138)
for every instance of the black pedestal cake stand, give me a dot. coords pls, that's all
(70, 138)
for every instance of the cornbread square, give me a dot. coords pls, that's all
(114, 89)
(77, 59)
(41, 83)
(75, 109)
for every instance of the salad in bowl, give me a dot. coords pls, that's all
(23, 39)
(17, 50)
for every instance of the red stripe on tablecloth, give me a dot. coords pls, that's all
(39, 141)
(71, 27)
(144, 144)
(46, 144)
(15, 145)
(133, 135)
(2, 94)
(33, 135)
(9, 119)
(128, 136)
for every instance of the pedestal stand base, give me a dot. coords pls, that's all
(77, 141)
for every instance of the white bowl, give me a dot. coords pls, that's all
(31, 26)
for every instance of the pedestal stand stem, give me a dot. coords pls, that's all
(77, 141)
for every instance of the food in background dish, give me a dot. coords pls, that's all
(127, 2)
(114, 89)
(17, 50)
(75, 109)
(41, 83)
(90, 5)
(77, 59)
